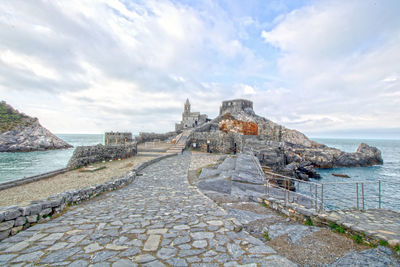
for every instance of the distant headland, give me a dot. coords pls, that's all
(22, 133)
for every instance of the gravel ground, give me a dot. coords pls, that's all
(24, 194)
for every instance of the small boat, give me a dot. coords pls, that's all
(341, 175)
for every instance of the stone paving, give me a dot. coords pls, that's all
(380, 224)
(158, 220)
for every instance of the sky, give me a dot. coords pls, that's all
(326, 68)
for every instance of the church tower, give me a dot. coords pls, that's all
(187, 107)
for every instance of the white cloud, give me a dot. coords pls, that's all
(27, 63)
(336, 57)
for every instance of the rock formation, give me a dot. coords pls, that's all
(22, 133)
(284, 150)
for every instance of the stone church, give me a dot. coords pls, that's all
(190, 119)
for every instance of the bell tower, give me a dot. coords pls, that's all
(187, 107)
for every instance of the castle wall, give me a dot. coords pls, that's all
(149, 137)
(216, 141)
(85, 155)
(234, 106)
(114, 138)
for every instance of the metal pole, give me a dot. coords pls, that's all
(285, 196)
(322, 197)
(362, 192)
(379, 192)
(358, 208)
(316, 198)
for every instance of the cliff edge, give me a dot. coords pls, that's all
(22, 133)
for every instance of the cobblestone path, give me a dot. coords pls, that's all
(158, 220)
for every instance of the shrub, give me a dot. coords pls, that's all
(383, 243)
(309, 222)
(337, 228)
(357, 238)
(266, 236)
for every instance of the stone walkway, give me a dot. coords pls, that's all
(380, 224)
(158, 220)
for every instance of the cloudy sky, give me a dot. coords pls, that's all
(327, 68)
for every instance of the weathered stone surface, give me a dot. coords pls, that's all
(85, 155)
(4, 226)
(29, 257)
(166, 253)
(29, 135)
(11, 213)
(124, 263)
(378, 257)
(152, 243)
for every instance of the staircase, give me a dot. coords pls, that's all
(181, 141)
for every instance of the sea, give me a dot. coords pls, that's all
(338, 192)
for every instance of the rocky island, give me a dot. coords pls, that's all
(22, 133)
(286, 151)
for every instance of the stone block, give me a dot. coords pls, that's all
(1, 216)
(4, 234)
(32, 218)
(16, 230)
(35, 209)
(11, 213)
(55, 202)
(7, 225)
(45, 212)
(25, 211)
(20, 221)
(45, 204)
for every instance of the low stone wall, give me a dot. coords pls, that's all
(84, 155)
(301, 213)
(14, 219)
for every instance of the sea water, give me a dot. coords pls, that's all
(343, 191)
(24, 164)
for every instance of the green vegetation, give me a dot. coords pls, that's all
(357, 238)
(397, 248)
(383, 243)
(11, 118)
(309, 222)
(266, 236)
(337, 228)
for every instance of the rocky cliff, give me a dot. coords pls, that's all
(21, 133)
(285, 150)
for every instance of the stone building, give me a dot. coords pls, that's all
(235, 106)
(190, 119)
(117, 138)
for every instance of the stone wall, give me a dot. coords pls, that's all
(84, 155)
(216, 141)
(150, 137)
(14, 219)
(235, 106)
(115, 138)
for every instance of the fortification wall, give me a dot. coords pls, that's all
(84, 155)
(149, 137)
(235, 106)
(216, 141)
(115, 138)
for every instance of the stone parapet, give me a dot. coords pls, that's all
(84, 155)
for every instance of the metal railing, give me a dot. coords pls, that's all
(361, 195)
